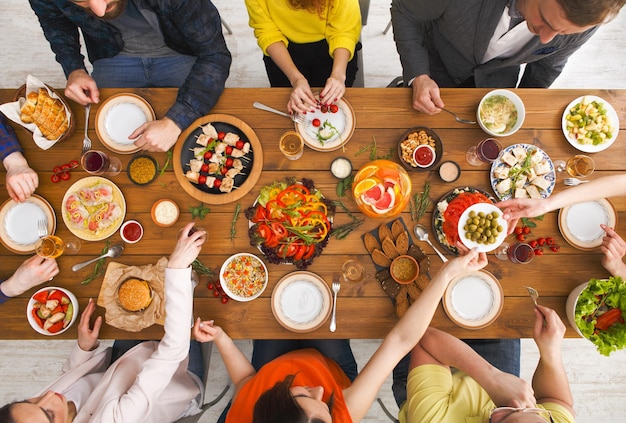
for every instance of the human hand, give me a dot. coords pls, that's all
(514, 209)
(614, 248)
(87, 336)
(507, 390)
(426, 96)
(301, 99)
(82, 88)
(548, 331)
(21, 180)
(187, 248)
(32, 272)
(157, 135)
(334, 89)
(205, 331)
(468, 261)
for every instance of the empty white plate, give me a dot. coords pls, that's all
(580, 224)
(21, 222)
(474, 301)
(301, 301)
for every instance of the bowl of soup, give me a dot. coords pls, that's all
(500, 113)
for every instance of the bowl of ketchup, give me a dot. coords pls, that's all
(424, 155)
(131, 231)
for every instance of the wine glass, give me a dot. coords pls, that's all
(97, 162)
(580, 166)
(518, 252)
(560, 166)
(486, 151)
(353, 271)
(52, 246)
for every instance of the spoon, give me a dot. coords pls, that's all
(459, 119)
(114, 251)
(422, 234)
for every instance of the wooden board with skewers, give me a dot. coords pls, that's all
(387, 242)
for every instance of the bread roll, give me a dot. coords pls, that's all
(47, 112)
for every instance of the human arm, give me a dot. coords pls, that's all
(614, 248)
(335, 86)
(406, 334)
(32, 272)
(21, 180)
(550, 380)
(82, 88)
(237, 364)
(607, 186)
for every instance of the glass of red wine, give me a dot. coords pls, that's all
(485, 151)
(99, 163)
(518, 252)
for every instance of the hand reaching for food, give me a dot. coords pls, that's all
(82, 88)
(187, 248)
(614, 249)
(302, 99)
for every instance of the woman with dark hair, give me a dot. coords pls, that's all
(308, 43)
(305, 385)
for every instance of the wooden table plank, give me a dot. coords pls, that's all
(381, 113)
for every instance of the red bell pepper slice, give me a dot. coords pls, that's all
(609, 318)
(260, 214)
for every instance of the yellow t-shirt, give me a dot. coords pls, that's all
(276, 20)
(434, 394)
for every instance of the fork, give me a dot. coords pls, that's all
(86, 140)
(42, 228)
(336, 287)
(572, 182)
(298, 118)
(533, 294)
(459, 119)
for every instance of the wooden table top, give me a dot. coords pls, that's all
(363, 310)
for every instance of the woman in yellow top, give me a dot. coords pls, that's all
(308, 43)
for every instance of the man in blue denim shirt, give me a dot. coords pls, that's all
(141, 43)
(21, 180)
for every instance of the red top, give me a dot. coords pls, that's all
(311, 369)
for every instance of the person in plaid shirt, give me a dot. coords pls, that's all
(21, 180)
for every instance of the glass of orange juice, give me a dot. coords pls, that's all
(381, 188)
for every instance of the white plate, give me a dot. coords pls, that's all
(301, 301)
(580, 224)
(118, 117)
(611, 115)
(343, 121)
(474, 300)
(550, 176)
(485, 208)
(19, 223)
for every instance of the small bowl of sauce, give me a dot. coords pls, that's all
(449, 171)
(341, 167)
(424, 155)
(404, 269)
(131, 231)
(165, 213)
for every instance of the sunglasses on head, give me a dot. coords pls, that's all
(500, 413)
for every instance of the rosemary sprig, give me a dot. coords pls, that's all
(373, 149)
(233, 227)
(200, 268)
(420, 203)
(342, 231)
(99, 268)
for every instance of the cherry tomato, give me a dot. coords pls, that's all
(550, 240)
(555, 248)
(223, 170)
(229, 150)
(541, 241)
(216, 293)
(229, 162)
(333, 108)
(533, 243)
(224, 300)
(324, 108)
(520, 237)
(526, 230)
(217, 183)
(220, 135)
(210, 286)
(55, 178)
(204, 168)
(65, 176)
(538, 251)
(65, 166)
(316, 122)
(73, 164)
(202, 179)
(56, 169)
(208, 155)
(240, 144)
(519, 230)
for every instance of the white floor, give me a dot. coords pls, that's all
(598, 383)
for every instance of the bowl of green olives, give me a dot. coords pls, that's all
(482, 226)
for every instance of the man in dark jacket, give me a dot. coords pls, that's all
(141, 43)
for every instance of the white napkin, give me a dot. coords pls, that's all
(13, 112)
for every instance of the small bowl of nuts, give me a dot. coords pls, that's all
(425, 140)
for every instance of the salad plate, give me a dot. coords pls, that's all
(580, 224)
(328, 128)
(474, 300)
(118, 117)
(301, 301)
(596, 116)
(93, 208)
(522, 171)
(448, 211)
(236, 169)
(18, 232)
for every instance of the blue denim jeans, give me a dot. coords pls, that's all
(196, 363)
(504, 354)
(264, 351)
(137, 72)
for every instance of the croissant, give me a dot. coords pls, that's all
(47, 112)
